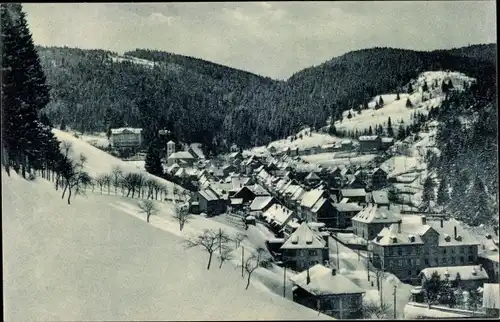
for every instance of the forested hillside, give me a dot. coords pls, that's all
(209, 103)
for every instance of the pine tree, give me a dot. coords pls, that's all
(428, 193)
(370, 130)
(62, 127)
(444, 87)
(401, 132)
(153, 161)
(381, 101)
(349, 115)
(410, 88)
(108, 132)
(442, 193)
(397, 97)
(408, 103)
(450, 84)
(365, 104)
(332, 130)
(425, 88)
(390, 131)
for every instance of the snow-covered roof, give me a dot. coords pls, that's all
(374, 214)
(323, 282)
(279, 214)
(260, 202)
(236, 201)
(239, 182)
(387, 140)
(297, 195)
(311, 197)
(181, 172)
(209, 194)
(195, 147)
(181, 155)
(347, 207)
(368, 138)
(312, 176)
(170, 142)
(258, 190)
(379, 197)
(304, 237)
(467, 273)
(123, 130)
(349, 193)
(317, 206)
(491, 296)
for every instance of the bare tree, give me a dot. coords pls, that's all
(239, 238)
(175, 191)
(372, 310)
(208, 240)
(74, 178)
(117, 174)
(148, 207)
(107, 179)
(225, 254)
(100, 180)
(181, 214)
(252, 263)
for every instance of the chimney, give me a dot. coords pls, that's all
(308, 279)
(424, 220)
(455, 232)
(334, 271)
(442, 222)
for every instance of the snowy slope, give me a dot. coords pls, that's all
(133, 60)
(396, 109)
(93, 261)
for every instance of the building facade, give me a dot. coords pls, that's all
(122, 138)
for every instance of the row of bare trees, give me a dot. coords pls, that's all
(220, 243)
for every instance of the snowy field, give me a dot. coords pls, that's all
(98, 259)
(315, 140)
(396, 109)
(138, 164)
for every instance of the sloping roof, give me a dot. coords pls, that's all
(344, 171)
(368, 138)
(323, 282)
(347, 207)
(317, 206)
(260, 202)
(491, 296)
(449, 229)
(379, 197)
(467, 273)
(258, 190)
(311, 197)
(298, 194)
(180, 172)
(239, 182)
(126, 130)
(374, 214)
(391, 236)
(304, 237)
(349, 193)
(279, 214)
(234, 154)
(236, 201)
(181, 155)
(209, 194)
(312, 176)
(387, 140)
(197, 150)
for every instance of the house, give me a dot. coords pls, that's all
(325, 290)
(239, 182)
(356, 182)
(368, 223)
(281, 220)
(327, 148)
(309, 199)
(304, 249)
(345, 171)
(488, 255)
(195, 150)
(181, 157)
(236, 155)
(346, 145)
(126, 137)
(386, 143)
(322, 212)
(246, 194)
(262, 203)
(228, 169)
(491, 299)
(312, 178)
(258, 190)
(343, 213)
(369, 143)
(354, 195)
(471, 276)
(170, 148)
(378, 197)
(378, 178)
(208, 201)
(406, 248)
(236, 203)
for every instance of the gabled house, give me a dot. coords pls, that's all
(323, 212)
(343, 213)
(236, 155)
(239, 182)
(281, 220)
(369, 144)
(195, 150)
(354, 195)
(325, 290)
(262, 203)
(368, 223)
(309, 199)
(182, 158)
(228, 169)
(378, 178)
(304, 249)
(258, 190)
(356, 182)
(378, 197)
(126, 137)
(207, 201)
(471, 276)
(312, 178)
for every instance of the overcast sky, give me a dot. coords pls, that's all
(273, 39)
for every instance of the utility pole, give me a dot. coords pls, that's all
(338, 260)
(242, 256)
(394, 294)
(381, 277)
(220, 241)
(284, 280)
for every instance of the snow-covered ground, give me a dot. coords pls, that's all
(331, 159)
(138, 164)
(133, 60)
(98, 259)
(315, 140)
(396, 109)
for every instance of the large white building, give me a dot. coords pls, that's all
(126, 137)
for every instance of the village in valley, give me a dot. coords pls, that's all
(152, 185)
(346, 221)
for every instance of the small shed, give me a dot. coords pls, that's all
(250, 220)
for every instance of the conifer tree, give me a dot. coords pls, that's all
(381, 101)
(349, 115)
(370, 130)
(425, 88)
(401, 132)
(442, 193)
(449, 85)
(408, 103)
(410, 88)
(153, 161)
(397, 97)
(428, 193)
(390, 131)
(444, 87)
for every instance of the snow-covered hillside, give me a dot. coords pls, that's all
(97, 259)
(396, 109)
(133, 60)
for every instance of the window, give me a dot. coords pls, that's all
(471, 258)
(410, 272)
(453, 260)
(418, 261)
(400, 262)
(462, 259)
(453, 250)
(445, 260)
(471, 249)
(444, 250)
(400, 251)
(313, 253)
(389, 251)
(462, 250)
